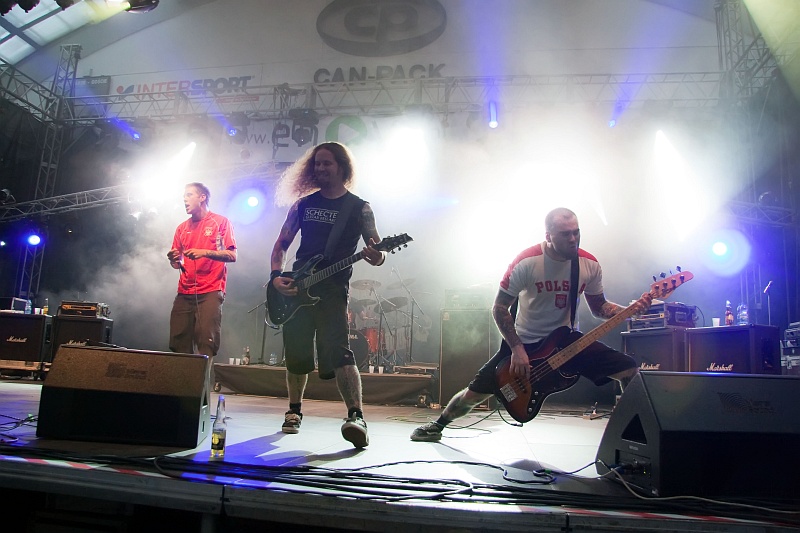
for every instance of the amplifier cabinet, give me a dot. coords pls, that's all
(79, 331)
(749, 349)
(24, 337)
(469, 339)
(657, 349)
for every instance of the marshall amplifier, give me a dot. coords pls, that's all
(750, 349)
(24, 338)
(657, 349)
(79, 331)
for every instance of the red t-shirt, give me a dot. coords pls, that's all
(199, 276)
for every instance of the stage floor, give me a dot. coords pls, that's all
(479, 477)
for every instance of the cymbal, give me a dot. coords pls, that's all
(365, 284)
(398, 301)
(399, 284)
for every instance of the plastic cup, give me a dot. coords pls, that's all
(380, 370)
(715, 322)
(371, 369)
(231, 361)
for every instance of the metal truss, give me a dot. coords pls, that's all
(388, 97)
(120, 193)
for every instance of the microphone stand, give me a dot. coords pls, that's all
(413, 303)
(769, 307)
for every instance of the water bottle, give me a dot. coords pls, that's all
(46, 306)
(273, 359)
(246, 356)
(219, 431)
(741, 315)
(28, 307)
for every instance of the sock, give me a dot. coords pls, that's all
(355, 413)
(295, 407)
(442, 422)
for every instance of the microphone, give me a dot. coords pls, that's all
(767, 287)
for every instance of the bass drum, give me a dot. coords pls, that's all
(360, 348)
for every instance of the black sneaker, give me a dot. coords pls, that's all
(291, 423)
(430, 432)
(355, 430)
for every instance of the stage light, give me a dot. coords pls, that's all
(493, 114)
(236, 127)
(27, 5)
(612, 123)
(6, 197)
(252, 201)
(2, 243)
(136, 6)
(304, 127)
(728, 252)
(34, 239)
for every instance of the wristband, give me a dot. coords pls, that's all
(274, 274)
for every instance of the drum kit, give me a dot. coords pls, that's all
(381, 329)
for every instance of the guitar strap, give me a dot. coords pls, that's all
(338, 226)
(573, 290)
(573, 298)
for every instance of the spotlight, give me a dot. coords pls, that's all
(34, 239)
(6, 197)
(27, 5)
(138, 6)
(236, 128)
(492, 114)
(304, 127)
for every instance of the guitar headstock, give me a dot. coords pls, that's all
(665, 286)
(390, 244)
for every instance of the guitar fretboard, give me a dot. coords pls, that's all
(326, 272)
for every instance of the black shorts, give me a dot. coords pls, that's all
(322, 326)
(596, 362)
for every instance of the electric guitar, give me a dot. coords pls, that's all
(281, 308)
(523, 399)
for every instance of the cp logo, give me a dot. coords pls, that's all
(379, 28)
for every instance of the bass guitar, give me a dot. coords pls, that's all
(281, 308)
(523, 399)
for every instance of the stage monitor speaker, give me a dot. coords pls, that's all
(705, 434)
(77, 330)
(657, 349)
(24, 337)
(751, 349)
(469, 339)
(126, 396)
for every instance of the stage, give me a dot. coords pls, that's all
(486, 474)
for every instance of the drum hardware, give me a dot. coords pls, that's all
(365, 285)
(399, 284)
(402, 301)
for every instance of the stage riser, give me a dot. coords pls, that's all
(378, 389)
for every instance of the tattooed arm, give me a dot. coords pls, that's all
(285, 238)
(520, 365)
(602, 308)
(369, 232)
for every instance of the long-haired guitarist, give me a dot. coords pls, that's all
(318, 185)
(539, 279)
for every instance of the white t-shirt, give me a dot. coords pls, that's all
(542, 286)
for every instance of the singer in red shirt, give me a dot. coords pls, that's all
(201, 247)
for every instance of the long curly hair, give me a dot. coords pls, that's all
(298, 180)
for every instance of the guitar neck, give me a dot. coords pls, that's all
(579, 345)
(329, 271)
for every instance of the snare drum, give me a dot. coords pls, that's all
(360, 348)
(374, 338)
